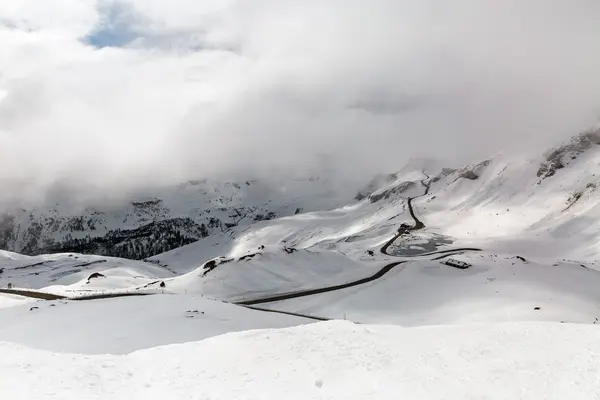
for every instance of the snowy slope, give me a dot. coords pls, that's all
(333, 360)
(189, 257)
(266, 272)
(494, 289)
(351, 230)
(547, 205)
(9, 300)
(62, 270)
(122, 325)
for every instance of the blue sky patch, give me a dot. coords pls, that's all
(116, 28)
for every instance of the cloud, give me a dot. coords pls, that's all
(72, 17)
(121, 94)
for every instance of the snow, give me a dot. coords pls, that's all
(351, 229)
(8, 300)
(215, 204)
(332, 360)
(334, 247)
(492, 330)
(189, 257)
(511, 209)
(494, 289)
(268, 272)
(125, 324)
(67, 274)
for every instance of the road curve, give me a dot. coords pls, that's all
(310, 292)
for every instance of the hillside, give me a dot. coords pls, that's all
(161, 219)
(545, 205)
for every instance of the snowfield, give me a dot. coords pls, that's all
(332, 360)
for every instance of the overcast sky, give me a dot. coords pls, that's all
(123, 93)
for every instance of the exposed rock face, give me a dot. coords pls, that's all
(472, 172)
(378, 182)
(393, 191)
(561, 156)
(469, 175)
(445, 172)
(95, 275)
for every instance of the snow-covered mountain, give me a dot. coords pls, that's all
(524, 227)
(545, 205)
(502, 197)
(162, 219)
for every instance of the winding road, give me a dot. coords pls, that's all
(251, 304)
(418, 224)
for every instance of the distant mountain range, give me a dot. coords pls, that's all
(166, 219)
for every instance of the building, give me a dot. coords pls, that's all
(456, 263)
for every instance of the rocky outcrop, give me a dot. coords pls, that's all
(377, 183)
(559, 157)
(445, 172)
(391, 192)
(472, 172)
